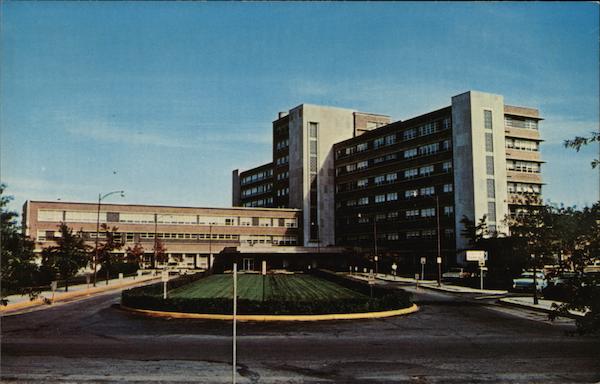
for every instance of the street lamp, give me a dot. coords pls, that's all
(100, 198)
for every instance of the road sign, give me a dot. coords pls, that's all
(439, 260)
(394, 266)
(165, 276)
(423, 260)
(475, 255)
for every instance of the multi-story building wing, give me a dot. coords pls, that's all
(392, 183)
(405, 187)
(191, 236)
(254, 187)
(302, 166)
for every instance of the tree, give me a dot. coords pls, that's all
(135, 254)
(17, 260)
(106, 256)
(475, 233)
(160, 252)
(580, 141)
(68, 256)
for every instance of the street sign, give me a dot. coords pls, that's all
(475, 255)
(439, 260)
(394, 266)
(423, 260)
(165, 276)
(417, 276)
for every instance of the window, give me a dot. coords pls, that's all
(427, 129)
(428, 212)
(489, 165)
(378, 160)
(392, 215)
(362, 147)
(350, 167)
(351, 203)
(487, 119)
(411, 214)
(448, 211)
(428, 233)
(491, 211)
(429, 149)
(362, 183)
(363, 201)
(350, 150)
(447, 188)
(363, 219)
(393, 236)
(312, 129)
(491, 190)
(411, 193)
(425, 171)
(525, 124)
(379, 198)
(489, 142)
(447, 144)
(446, 123)
(409, 153)
(380, 217)
(362, 164)
(390, 139)
(392, 196)
(412, 234)
(409, 173)
(379, 180)
(428, 191)
(409, 134)
(447, 166)
(391, 177)
(391, 156)
(378, 142)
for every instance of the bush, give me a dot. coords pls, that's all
(150, 297)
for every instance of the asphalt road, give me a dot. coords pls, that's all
(450, 340)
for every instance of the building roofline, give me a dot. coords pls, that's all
(168, 206)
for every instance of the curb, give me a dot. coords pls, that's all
(264, 318)
(544, 310)
(64, 296)
(485, 291)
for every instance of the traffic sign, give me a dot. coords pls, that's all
(439, 260)
(165, 276)
(423, 260)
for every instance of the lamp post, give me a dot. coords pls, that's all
(100, 198)
(374, 238)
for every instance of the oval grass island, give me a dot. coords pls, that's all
(320, 295)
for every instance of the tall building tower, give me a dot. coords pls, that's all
(302, 172)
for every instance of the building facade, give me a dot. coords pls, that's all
(405, 187)
(301, 173)
(191, 236)
(401, 188)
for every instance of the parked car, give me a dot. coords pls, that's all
(525, 281)
(456, 273)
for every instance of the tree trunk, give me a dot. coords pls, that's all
(67, 285)
(107, 275)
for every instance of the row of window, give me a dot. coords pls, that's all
(424, 150)
(283, 192)
(266, 202)
(283, 175)
(524, 188)
(523, 166)
(390, 139)
(523, 145)
(257, 176)
(257, 190)
(520, 123)
(282, 160)
(392, 236)
(392, 196)
(282, 144)
(382, 180)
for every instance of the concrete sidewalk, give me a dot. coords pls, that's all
(543, 305)
(17, 302)
(432, 284)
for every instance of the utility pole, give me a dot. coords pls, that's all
(234, 364)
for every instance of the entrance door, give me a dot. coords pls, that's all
(248, 265)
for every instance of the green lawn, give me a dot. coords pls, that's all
(297, 287)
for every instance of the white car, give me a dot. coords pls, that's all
(525, 281)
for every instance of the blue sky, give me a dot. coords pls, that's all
(165, 99)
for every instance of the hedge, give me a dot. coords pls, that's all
(150, 297)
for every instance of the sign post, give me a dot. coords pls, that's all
(87, 280)
(233, 365)
(165, 279)
(417, 279)
(439, 263)
(264, 273)
(53, 286)
(482, 268)
(394, 269)
(423, 261)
